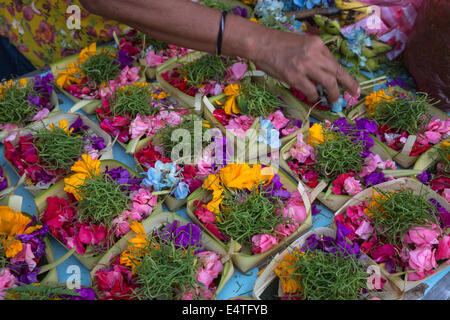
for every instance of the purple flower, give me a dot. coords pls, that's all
(78, 125)
(443, 214)
(391, 267)
(84, 294)
(375, 178)
(397, 82)
(187, 235)
(367, 125)
(125, 60)
(97, 142)
(3, 180)
(122, 177)
(275, 188)
(23, 274)
(424, 177)
(314, 209)
(240, 11)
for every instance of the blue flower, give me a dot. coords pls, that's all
(339, 105)
(181, 191)
(309, 4)
(268, 134)
(162, 176)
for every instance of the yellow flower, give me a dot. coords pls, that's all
(160, 96)
(12, 224)
(284, 271)
(374, 203)
(231, 106)
(87, 52)
(23, 82)
(316, 134)
(85, 168)
(255, 20)
(63, 124)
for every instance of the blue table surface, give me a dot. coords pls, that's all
(239, 285)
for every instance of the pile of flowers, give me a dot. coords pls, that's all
(131, 111)
(399, 114)
(22, 247)
(97, 207)
(327, 268)
(438, 177)
(92, 71)
(135, 45)
(209, 75)
(184, 175)
(24, 101)
(248, 101)
(406, 232)
(339, 153)
(251, 206)
(45, 155)
(170, 263)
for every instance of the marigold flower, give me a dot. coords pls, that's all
(87, 52)
(316, 134)
(231, 106)
(284, 271)
(12, 224)
(63, 124)
(84, 168)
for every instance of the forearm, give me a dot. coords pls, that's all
(182, 23)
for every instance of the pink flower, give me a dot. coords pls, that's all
(204, 215)
(351, 100)
(143, 202)
(138, 127)
(92, 235)
(278, 120)
(295, 208)
(237, 71)
(423, 235)
(199, 293)
(262, 243)
(364, 230)
(41, 114)
(288, 130)
(239, 125)
(443, 249)
(153, 59)
(210, 267)
(25, 255)
(355, 213)
(7, 280)
(433, 137)
(446, 194)
(352, 186)
(172, 118)
(422, 258)
(372, 163)
(383, 253)
(301, 150)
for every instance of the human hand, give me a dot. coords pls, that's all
(302, 61)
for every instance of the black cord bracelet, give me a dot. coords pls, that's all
(219, 36)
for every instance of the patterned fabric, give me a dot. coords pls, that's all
(38, 29)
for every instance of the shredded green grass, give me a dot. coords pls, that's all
(256, 100)
(14, 105)
(245, 215)
(57, 149)
(101, 68)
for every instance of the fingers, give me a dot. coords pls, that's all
(307, 87)
(329, 82)
(348, 83)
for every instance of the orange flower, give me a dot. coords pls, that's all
(69, 76)
(136, 246)
(63, 124)
(373, 99)
(284, 271)
(12, 224)
(241, 175)
(374, 203)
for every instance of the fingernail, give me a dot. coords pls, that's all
(358, 92)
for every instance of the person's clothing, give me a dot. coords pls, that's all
(38, 29)
(12, 62)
